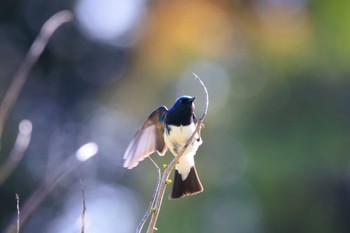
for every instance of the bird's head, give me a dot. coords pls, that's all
(184, 104)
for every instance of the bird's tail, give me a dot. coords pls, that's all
(190, 186)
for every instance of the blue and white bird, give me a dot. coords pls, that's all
(170, 129)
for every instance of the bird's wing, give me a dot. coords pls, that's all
(148, 139)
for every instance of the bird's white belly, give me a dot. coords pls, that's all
(176, 140)
(178, 136)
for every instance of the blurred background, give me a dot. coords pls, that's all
(275, 156)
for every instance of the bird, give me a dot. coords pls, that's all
(170, 129)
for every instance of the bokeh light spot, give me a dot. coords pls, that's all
(110, 19)
(87, 151)
(25, 127)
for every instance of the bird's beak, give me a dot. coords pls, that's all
(192, 99)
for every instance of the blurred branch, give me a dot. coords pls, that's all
(40, 194)
(153, 199)
(84, 207)
(31, 58)
(34, 201)
(16, 155)
(170, 167)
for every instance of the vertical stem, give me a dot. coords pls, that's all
(17, 201)
(153, 199)
(84, 207)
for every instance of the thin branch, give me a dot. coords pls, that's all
(31, 58)
(17, 205)
(84, 207)
(16, 155)
(153, 199)
(206, 96)
(172, 164)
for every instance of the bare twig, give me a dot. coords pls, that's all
(172, 164)
(84, 207)
(153, 199)
(17, 205)
(21, 145)
(206, 98)
(31, 58)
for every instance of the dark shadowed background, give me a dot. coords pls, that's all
(276, 152)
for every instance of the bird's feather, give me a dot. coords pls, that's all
(148, 139)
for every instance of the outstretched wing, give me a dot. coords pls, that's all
(148, 139)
